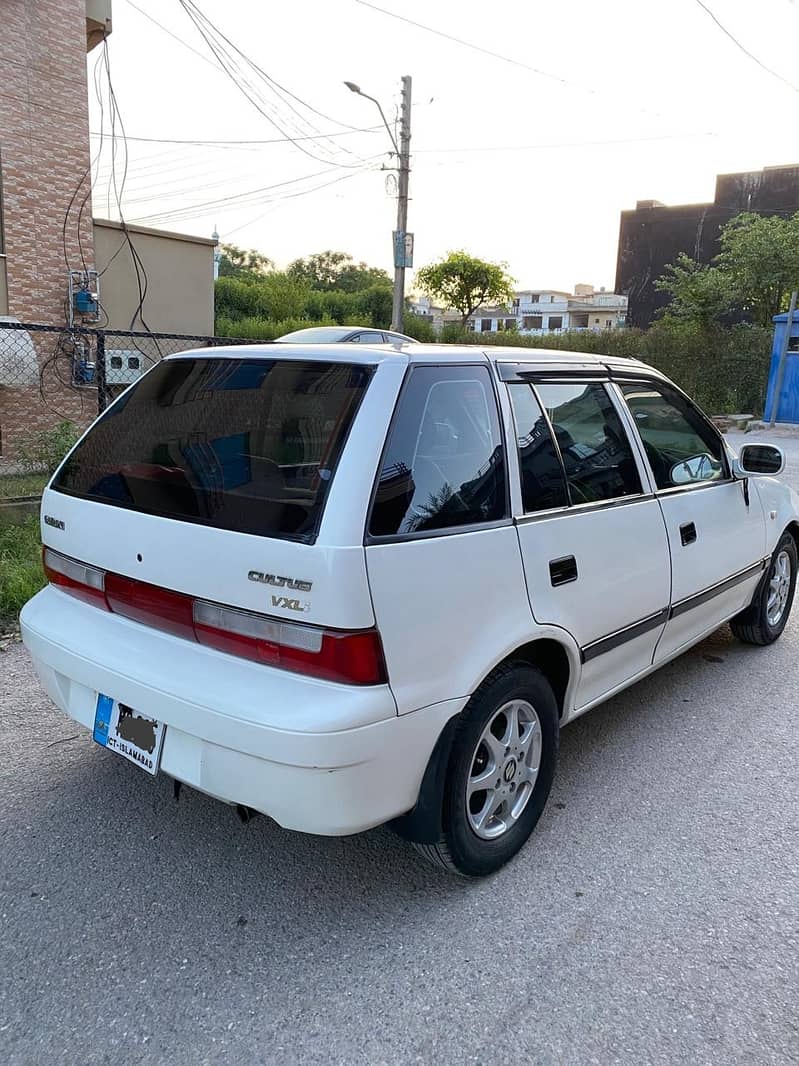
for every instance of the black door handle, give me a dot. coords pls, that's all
(688, 533)
(562, 571)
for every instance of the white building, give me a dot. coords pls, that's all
(539, 311)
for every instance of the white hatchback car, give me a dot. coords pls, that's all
(346, 585)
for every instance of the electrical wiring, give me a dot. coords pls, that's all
(272, 81)
(294, 196)
(743, 48)
(95, 162)
(213, 37)
(221, 143)
(142, 281)
(560, 144)
(565, 82)
(239, 200)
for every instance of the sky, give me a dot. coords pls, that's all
(525, 157)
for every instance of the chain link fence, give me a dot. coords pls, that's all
(55, 380)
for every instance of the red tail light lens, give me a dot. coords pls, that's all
(84, 582)
(353, 658)
(154, 606)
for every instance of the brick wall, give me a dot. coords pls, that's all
(44, 146)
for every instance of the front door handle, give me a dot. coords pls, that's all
(688, 533)
(562, 571)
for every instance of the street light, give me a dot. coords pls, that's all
(403, 248)
(353, 88)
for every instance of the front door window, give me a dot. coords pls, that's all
(680, 444)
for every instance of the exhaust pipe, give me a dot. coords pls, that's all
(246, 814)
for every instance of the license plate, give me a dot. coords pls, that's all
(132, 735)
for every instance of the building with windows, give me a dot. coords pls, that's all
(539, 311)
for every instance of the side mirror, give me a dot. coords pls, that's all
(697, 468)
(758, 460)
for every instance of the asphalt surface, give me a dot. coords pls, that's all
(653, 917)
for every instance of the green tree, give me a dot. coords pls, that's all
(699, 293)
(283, 296)
(243, 264)
(465, 283)
(760, 256)
(754, 273)
(328, 271)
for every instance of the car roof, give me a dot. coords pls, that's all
(411, 352)
(328, 331)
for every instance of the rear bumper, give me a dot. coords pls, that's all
(317, 757)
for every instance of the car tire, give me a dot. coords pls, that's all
(506, 738)
(765, 618)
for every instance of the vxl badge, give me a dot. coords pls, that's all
(280, 582)
(56, 523)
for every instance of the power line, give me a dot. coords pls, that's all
(562, 144)
(205, 27)
(294, 196)
(742, 48)
(212, 35)
(174, 36)
(238, 199)
(249, 141)
(474, 47)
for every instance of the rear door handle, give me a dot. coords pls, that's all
(688, 533)
(562, 571)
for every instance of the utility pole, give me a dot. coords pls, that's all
(403, 248)
(403, 241)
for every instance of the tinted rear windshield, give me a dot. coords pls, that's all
(241, 444)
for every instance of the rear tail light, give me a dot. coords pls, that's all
(355, 658)
(78, 579)
(154, 606)
(351, 657)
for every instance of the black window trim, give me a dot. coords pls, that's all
(449, 531)
(673, 490)
(599, 376)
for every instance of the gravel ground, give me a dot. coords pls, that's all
(653, 918)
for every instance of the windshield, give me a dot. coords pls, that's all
(249, 445)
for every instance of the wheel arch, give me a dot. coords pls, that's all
(793, 529)
(557, 661)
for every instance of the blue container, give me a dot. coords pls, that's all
(787, 409)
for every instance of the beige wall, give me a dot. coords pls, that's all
(3, 287)
(180, 279)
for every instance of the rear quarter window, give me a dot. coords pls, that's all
(444, 465)
(249, 445)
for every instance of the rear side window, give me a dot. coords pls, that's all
(444, 465)
(596, 453)
(248, 445)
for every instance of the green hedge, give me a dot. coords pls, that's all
(724, 370)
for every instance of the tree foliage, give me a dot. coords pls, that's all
(328, 271)
(463, 282)
(751, 277)
(243, 264)
(699, 293)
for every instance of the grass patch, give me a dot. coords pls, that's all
(21, 573)
(22, 485)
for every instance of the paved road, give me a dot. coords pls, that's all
(654, 918)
